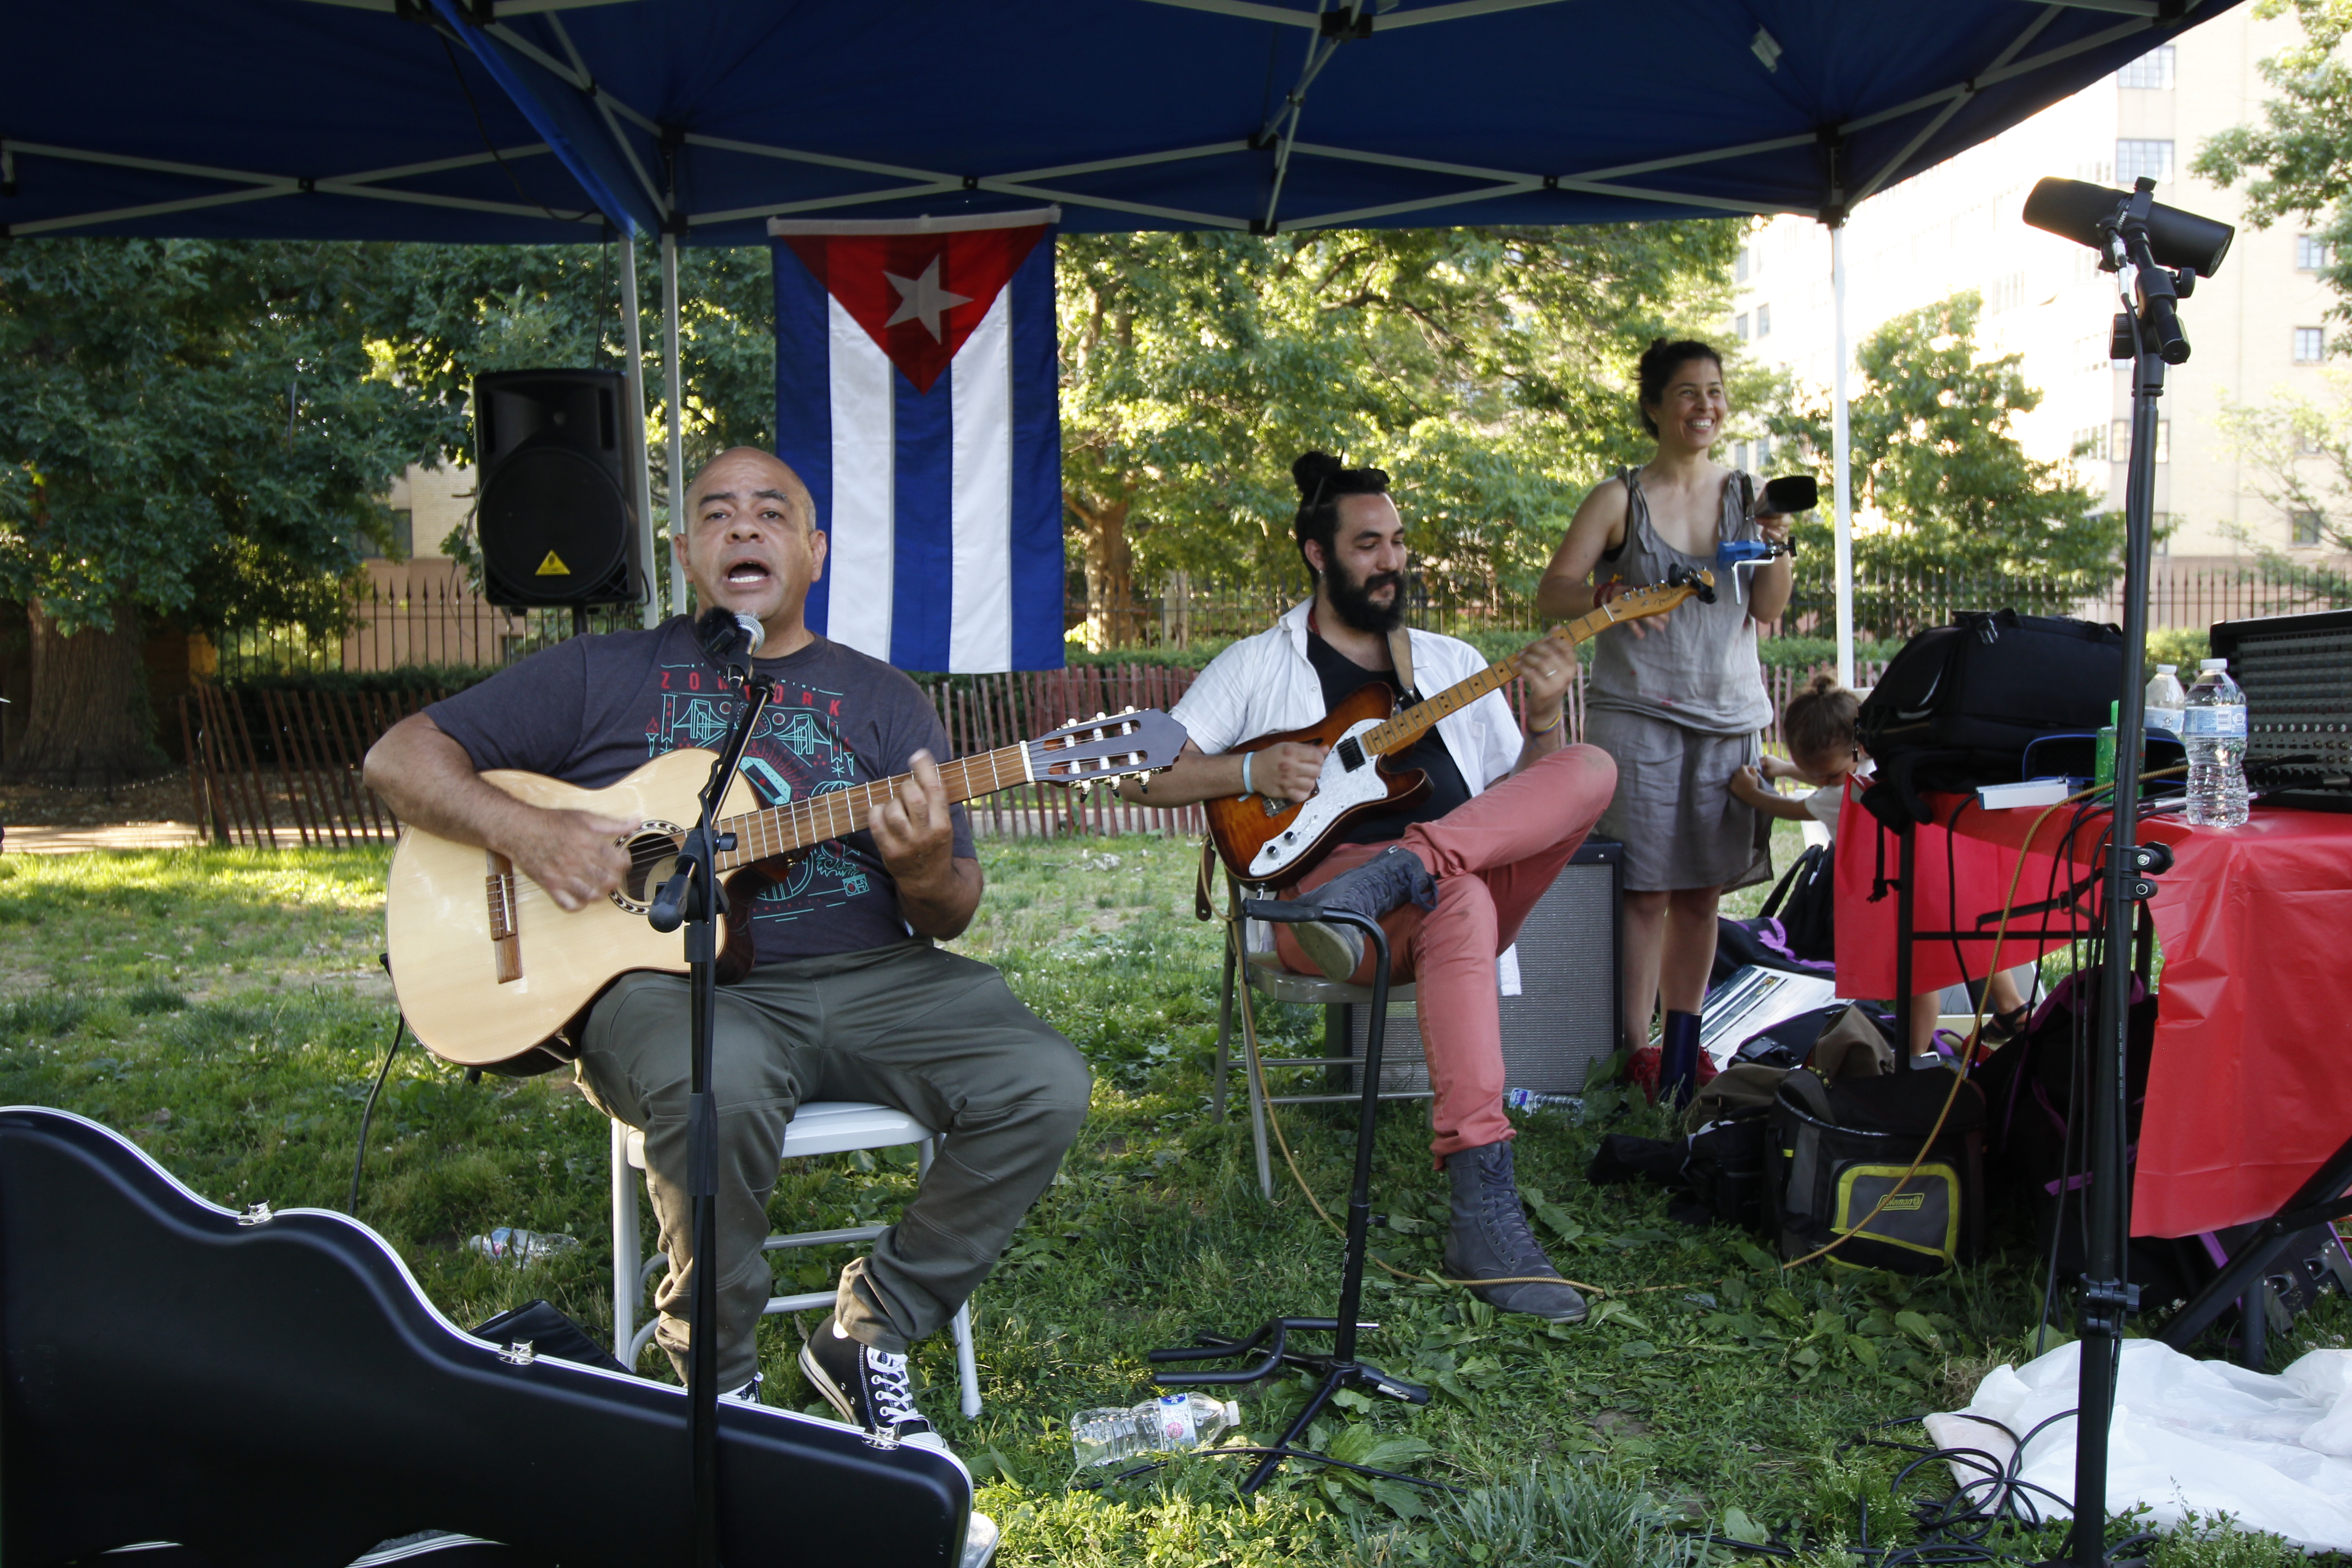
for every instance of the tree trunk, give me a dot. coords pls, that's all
(90, 722)
(1112, 619)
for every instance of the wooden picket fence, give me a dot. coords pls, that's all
(269, 768)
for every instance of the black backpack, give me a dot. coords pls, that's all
(1959, 704)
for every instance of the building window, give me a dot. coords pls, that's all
(2094, 354)
(2306, 441)
(2138, 158)
(403, 533)
(2310, 345)
(2306, 525)
(1739, 326)
(1763, 320)
(1763, 453)
(2120, 443)
(2008, 292)
(2152, 69)
(2091, 443)
(1739, 266)
(2160, 524)
(2310, 253)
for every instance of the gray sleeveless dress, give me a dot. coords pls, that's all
(1679, 711)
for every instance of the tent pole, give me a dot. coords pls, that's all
(651, 612)
(673, 390)
(1842, 444)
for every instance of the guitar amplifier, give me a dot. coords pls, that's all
(1565, 1016)
(2297, 675)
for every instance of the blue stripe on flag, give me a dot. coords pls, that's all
(924, 597)
(804, 397)
(1038, 568)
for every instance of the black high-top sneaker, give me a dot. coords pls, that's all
(1389, 879)
(870, 1387)
(1489, 1239)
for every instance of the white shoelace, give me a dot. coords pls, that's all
(892, 1397)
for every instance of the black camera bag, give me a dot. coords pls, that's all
(1959, 704)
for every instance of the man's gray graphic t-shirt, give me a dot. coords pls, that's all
(594, 710)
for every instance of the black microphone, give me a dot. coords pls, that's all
(727, 637)
(2074, 209)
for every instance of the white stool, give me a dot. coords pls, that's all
(820, 1127)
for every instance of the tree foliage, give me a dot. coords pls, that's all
(2298, 162)
(2297, 453)
(1941, 486)
(1489, 369)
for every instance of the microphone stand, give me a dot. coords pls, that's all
(2149, 329)
(693, 896)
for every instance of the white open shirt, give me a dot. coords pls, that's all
(1264, 684)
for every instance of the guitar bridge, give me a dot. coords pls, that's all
(506, 944)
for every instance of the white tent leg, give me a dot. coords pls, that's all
(673, 391)
(1842, 448)
(652, 611)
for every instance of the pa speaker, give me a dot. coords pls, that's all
(557, 514)
(1564, 1018)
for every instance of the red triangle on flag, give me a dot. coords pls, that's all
(919, 296)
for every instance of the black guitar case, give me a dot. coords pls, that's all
(277, 1391)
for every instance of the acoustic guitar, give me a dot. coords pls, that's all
(487, 966)
(1262, 839)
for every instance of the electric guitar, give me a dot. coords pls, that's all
(1262, 839)
(487, 966)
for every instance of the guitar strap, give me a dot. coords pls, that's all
(1401, 656)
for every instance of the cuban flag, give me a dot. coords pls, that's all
(916, 395)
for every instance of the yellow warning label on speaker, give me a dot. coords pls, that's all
(554, 566)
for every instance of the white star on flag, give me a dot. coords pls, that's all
(922, 299)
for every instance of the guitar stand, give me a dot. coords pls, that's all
(1269, 1350)
(694, 897)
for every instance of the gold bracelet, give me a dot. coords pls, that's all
(1548, 728)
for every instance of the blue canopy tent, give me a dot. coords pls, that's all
(516, 121)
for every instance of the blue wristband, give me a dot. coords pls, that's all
(1245, 773)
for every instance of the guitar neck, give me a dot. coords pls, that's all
(781, 829)
(1408, 726)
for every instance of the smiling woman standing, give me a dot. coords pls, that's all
(1678, 701)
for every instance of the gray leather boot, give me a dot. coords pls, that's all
(1490, 1238)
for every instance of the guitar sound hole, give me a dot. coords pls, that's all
(652, 855)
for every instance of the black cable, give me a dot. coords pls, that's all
(484, 131)
(367, 1113)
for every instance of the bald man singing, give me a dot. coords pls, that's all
(849, 998)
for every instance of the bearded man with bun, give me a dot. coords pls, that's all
(1450, 879)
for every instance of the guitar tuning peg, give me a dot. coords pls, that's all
(1126, 710)
(1100, 716)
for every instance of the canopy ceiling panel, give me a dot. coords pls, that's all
(543, 120)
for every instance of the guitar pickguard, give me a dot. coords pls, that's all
(1341, 788)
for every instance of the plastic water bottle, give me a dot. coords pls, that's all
(2166, 701)
(1163, 1425)
(521, 1247)
(2215, 729)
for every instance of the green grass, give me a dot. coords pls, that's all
(223, 1009)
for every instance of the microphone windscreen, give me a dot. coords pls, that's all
(754, 633)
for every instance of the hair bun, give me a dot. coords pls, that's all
(1822, 683)
(1315, 470)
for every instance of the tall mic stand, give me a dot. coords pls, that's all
(2148, 329)
(694, 897)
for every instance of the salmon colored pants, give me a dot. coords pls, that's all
(1493, 856)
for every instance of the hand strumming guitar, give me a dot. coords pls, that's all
(1288, 771)
(576, 855)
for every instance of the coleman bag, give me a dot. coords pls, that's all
(1841, 1163)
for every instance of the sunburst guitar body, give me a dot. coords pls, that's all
(1265, 839)
(488, 967)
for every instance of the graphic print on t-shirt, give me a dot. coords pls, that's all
(796, 753)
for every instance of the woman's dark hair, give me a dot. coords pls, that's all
(1820, 720)
(1322, 479)
(1659, 363)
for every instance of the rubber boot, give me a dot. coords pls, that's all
(1389, 879)
(1679, 1055)
(1489, 1239)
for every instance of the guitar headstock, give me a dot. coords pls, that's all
(1104, 747)
(1682, 582)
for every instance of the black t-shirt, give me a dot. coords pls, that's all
(594, 710)
(1341, 676)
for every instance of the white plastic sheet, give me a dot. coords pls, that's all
(2274, 1452)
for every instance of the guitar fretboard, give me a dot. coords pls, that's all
(1410, 725)
(780, 829)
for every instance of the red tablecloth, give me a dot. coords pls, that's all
(2249, 1090)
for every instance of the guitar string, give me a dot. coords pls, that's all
(1407, 726)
